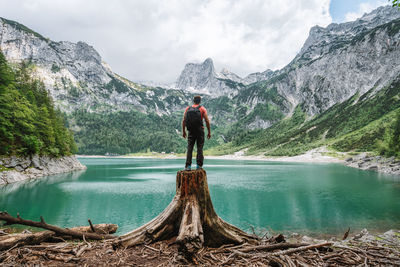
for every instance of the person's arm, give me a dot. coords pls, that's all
(184, 126)
(208, 125)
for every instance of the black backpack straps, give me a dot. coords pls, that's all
(186, 111)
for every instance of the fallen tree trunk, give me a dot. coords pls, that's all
(10, 220)
(25, 239)
(102, 228)
(12, 240)
(190, 217)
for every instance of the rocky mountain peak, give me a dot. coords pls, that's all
(202, 79)
(86, 52)
(258, 76)
(196, 76)
(358, 52)
(73, 73)
(208, 62)
(226, 74)
(343, 32)
(194, 73)
(18, 26)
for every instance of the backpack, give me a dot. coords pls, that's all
(193, 120)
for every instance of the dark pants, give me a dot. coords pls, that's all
(195, 137)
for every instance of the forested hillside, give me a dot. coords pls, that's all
(130, 132)
(29, 123)
(127, 132)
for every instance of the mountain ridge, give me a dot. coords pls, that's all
(75, 74)
(334, 64)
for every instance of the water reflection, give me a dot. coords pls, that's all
(48, 180)
(282, 196)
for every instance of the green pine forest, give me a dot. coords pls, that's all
(126, 132)
(29, 122)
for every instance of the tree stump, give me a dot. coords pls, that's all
(190, 217)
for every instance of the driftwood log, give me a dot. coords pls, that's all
(190, 217)
(11, 240)
(25, 239)
(10, 220)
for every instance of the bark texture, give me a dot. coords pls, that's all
(11, 240)
(190, 217)
(10, 220)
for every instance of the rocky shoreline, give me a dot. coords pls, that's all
(381, 164)
(388, 238)
(15, 169)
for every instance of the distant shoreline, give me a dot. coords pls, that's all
(312, 156)
(362, 161)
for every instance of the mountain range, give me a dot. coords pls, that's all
(335, 64)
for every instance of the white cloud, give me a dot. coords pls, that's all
(364, 8)
(153, 40)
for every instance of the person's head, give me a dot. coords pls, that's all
(197, 99)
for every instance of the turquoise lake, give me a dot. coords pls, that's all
(285, 197)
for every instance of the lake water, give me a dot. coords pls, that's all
(285, 197)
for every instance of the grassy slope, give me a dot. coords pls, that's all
(355, 124)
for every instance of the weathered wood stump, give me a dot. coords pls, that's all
(190, 217)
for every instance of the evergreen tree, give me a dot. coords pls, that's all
(394, 144)
(6, 126)
(29, 124)
(6, 74)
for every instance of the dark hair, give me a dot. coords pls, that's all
(197, 99)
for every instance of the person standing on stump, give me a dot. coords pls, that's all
(193, 121)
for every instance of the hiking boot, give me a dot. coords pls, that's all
(188, 168)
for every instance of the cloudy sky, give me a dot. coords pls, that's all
(152, 40)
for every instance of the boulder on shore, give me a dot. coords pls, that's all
(15, 169)
(374, 163)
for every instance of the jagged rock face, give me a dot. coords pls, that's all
(202, 79)
(196, 76)
(226, 74)
(62, 66)
(76, 76)
(338, 61)
(370, 61)
(346, 31)
(335, 63)
(257, 77)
